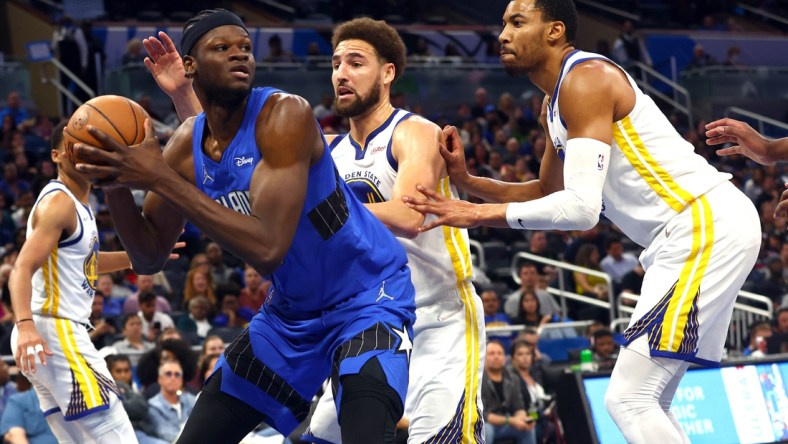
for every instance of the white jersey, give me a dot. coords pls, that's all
(64, 286)
(653, 172)
(439, 259)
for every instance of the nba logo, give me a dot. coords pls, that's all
(600, 162)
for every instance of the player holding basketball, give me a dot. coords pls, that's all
(611, 150)
(52, 286)
(387, 152)
(341, 303)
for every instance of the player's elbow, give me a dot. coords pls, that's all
(581, 212)
(268, 262)
(409, 230)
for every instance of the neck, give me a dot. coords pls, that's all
(79, 188)
(361, 126)
(223, 121)
(495, 375)
(171, 397)
(545, 77)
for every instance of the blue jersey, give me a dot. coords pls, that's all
(339, 250)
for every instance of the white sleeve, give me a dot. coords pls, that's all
(578, 205)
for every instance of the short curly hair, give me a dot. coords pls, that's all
(386, 40)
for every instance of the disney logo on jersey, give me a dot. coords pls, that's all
(243, 160)
(90, 267)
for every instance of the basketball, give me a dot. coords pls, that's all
(118, 117)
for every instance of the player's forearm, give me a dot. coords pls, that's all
(21, 288)
(251, 239)
(778, 149)
(16, 435)
(186, 103)
(492, 190)
(109, 261)
(141, 241)
(401, 220)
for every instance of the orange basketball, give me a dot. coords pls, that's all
(118, 117)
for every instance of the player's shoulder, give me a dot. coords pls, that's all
(592, 75)
(178, 152)
(286, 104)
(55, 206)
(416, 126)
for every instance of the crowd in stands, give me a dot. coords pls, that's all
(149, 326)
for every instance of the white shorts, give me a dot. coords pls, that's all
(75, 381)
(443, 403)
(694, 270)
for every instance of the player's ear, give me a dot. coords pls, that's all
(389, 73)
(189, 66)
(556, 32)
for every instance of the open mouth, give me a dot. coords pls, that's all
(241, 72)
(344, 91)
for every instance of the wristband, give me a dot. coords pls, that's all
(23, 320)
(506, 421)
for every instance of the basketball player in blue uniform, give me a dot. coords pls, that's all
(255, 174)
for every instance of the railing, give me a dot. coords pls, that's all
(762, 13)
(546, 330)
(477, 249)
(744, 314)
(760, 119)
(678, 91)
(562, 291)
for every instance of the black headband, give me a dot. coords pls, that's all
(207, 23)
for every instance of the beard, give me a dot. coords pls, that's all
(360, 105)
(515, 69)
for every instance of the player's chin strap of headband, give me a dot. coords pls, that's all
(219, 18)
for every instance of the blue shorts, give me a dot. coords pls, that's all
(280, 361)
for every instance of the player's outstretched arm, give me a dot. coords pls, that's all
(54, 215)
(491, 190)
(415, 147)
(748, 142)
(109, 261)
(166, 66)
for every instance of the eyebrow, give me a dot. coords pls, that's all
(349, 55)
(516, 15)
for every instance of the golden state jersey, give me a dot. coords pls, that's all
(653, 173)
(64, 286)
(439, 259)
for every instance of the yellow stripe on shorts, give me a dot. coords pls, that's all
(461, 262)
(676, 315)
(86, 380)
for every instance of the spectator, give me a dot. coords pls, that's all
(617, 262)
(529, 279)
(14, 109)
(538, 245)
(759, 333)
(733, 57)
(531, 336)
(134, 402)
(774, 286)
(220, 273)
(231, 314)
(12, 186)
(104, 329)
(631, 284)
(133, 341)
(7, 388)
(256, 289)
(481, 100)
(275, 52)
(502, 397)
(325, 108)
(145, 283)
(493, 317)
(134, 54)
(629, 48)
(153, 321)
(168, 350)
(529, 313)
(170, 408)
(213, 345)
(592, 286)
(782, 320)
(604, 348)
(200, 262)
(700, 59)
(72, 50)
(534, 395)
(199, 283)
(207, 366)
(23, 421)
(197, 320)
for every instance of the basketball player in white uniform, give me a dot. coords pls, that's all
(387, 152)
(52, 287)
(612, 151)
